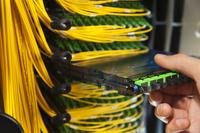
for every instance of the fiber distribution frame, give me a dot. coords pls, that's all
(76, 66)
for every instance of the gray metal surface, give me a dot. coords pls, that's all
(190, 39)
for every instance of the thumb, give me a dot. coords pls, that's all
(184, 64)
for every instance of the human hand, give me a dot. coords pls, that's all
(179, 107)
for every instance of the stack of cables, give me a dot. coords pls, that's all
(110, 33)
(93, 108)
(116, 28)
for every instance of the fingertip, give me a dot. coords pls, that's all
(178, 125)
(182, 123)
(163, 61)
(159, 57)
(180, 63)
(164, 110)
(155, 98)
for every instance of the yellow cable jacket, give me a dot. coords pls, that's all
(96, 8)
(98, 34)
(19, 56)
(82, 56)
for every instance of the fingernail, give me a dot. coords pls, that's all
(163, 119)
(154, 103)
(160, 55)
(155, 98)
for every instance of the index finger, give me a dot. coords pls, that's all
(182, 63)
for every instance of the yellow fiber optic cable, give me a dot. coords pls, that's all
(21, 44)
(21, 36)
(95, 8)
(104, 126)
(131, 128)
(80, 90)
(98, 34)
(112, 108)
(107, 53)
(43, 104)
(85, 101)
(133, 117)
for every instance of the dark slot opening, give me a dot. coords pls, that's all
(161, 10)
(178, 10)
(160, 36)
(175, 39)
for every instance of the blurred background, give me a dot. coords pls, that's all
(177, 25)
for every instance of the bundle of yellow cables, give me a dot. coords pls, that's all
(21, 41)
(98, 34)
(85, 118)
(84, 56)
(96, 8)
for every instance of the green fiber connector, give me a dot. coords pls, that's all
(149, 79)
